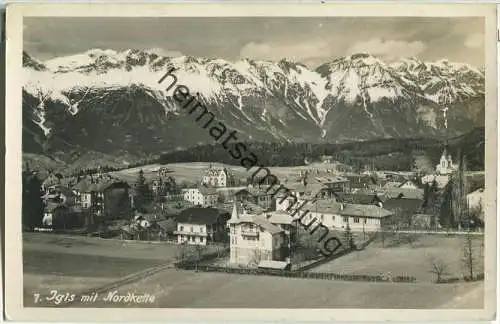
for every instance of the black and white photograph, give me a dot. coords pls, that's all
(191, 159)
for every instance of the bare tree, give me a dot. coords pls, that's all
(469, 258)
(438, 268)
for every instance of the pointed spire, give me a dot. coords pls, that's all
(235, 214)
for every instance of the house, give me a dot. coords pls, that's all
(60, 194)
(52, 180)
(404, 209)
(61, 216)
(201, 226)
(104, 197)
(337, 215)
(409, 184)
(361, 182)
(253, 238)
(446, 165)
(258, 196)
(405, 193)
(201, 196)
(475, 202)
(218, 177)
(286, 222)
(360, 198)
(333, 183)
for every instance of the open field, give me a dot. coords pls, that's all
(78, 263)
(192, 171)
(409, 259)
(179, 288)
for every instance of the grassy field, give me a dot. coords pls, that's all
(80, 263)
(177, 288)
(192, 172)
(409, 259)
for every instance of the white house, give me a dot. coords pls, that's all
(200, 226)
(218, 177)
(254, 239)
(202, 196)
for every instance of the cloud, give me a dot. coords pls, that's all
(474, 41)
(297, 51)
(164, 52)
(390, 49)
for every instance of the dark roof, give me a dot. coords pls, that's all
(365, 211)
(52, 206)
(405, 205)
(358, 198)
(99, 185)
(405, 193)
(202, 216)
(360, 181)
(65, 191)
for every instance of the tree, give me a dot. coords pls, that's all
(32, 204)
(142, 193)
(348, 237)
(438, 268)
(469, 258)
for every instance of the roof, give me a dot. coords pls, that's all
(280, 218)
(204, 190)
(271, 264)
(323, 206)
(65, 191)
(392, 184)
(257, 220)
(246, 205)
(202, 216)
(50, 207)
(405, 193)
(365, 211)
(358, 198)
(330, 179)
(406, 205)
(86, 184)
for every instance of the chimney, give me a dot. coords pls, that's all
(341, 206)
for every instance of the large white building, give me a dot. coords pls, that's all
(218, 177)
(337, 215)
(202, 196)
(253, 239)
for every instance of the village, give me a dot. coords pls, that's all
(251, 224)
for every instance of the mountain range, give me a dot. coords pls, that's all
(110, 102)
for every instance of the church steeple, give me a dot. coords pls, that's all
(235, 215)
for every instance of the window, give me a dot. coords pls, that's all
(191, 229)
(346, 219)
(365, 220)
(356, 219)
(333, 218)
(201, 229)
(201, 239)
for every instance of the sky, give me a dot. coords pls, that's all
(310, 40)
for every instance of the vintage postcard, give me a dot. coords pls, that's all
(213, 162)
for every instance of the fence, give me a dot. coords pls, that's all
(296, 274)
